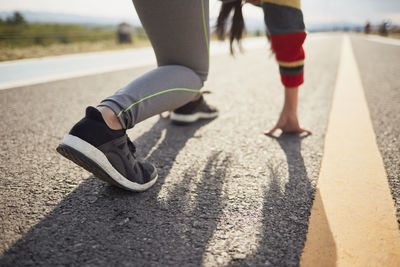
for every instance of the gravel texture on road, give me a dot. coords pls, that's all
(226, 194)
(379, 66)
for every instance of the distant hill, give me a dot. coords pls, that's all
(333, 26)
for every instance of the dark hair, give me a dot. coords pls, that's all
(237, 27)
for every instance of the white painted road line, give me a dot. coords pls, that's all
(353, 219)
(383, 40)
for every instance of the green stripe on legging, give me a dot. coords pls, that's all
(156, 94)
(205, 25)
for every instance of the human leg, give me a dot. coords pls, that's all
(178, 31)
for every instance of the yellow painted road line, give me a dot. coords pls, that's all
(353, 221)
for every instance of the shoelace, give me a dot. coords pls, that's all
(131, 146)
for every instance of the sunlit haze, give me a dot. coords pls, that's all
(315, 11)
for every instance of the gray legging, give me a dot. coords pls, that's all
(179, 33)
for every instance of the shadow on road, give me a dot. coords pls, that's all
(102, 225)
(286, 212)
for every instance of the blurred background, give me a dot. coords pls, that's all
(44, 27)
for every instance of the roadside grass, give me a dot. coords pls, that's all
(19, 40)
(36, 51)
(394, 35)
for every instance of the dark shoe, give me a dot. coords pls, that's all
(193, 111)
(107, 153)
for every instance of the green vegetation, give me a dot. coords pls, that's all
(20, 39)
(16, 32)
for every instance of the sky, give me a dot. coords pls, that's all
(315, 11)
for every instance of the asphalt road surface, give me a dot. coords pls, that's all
(226, 194)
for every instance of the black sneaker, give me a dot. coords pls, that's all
(107, 153)
(193, 111)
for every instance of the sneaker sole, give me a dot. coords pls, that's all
(190, 118)
(93, 160)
